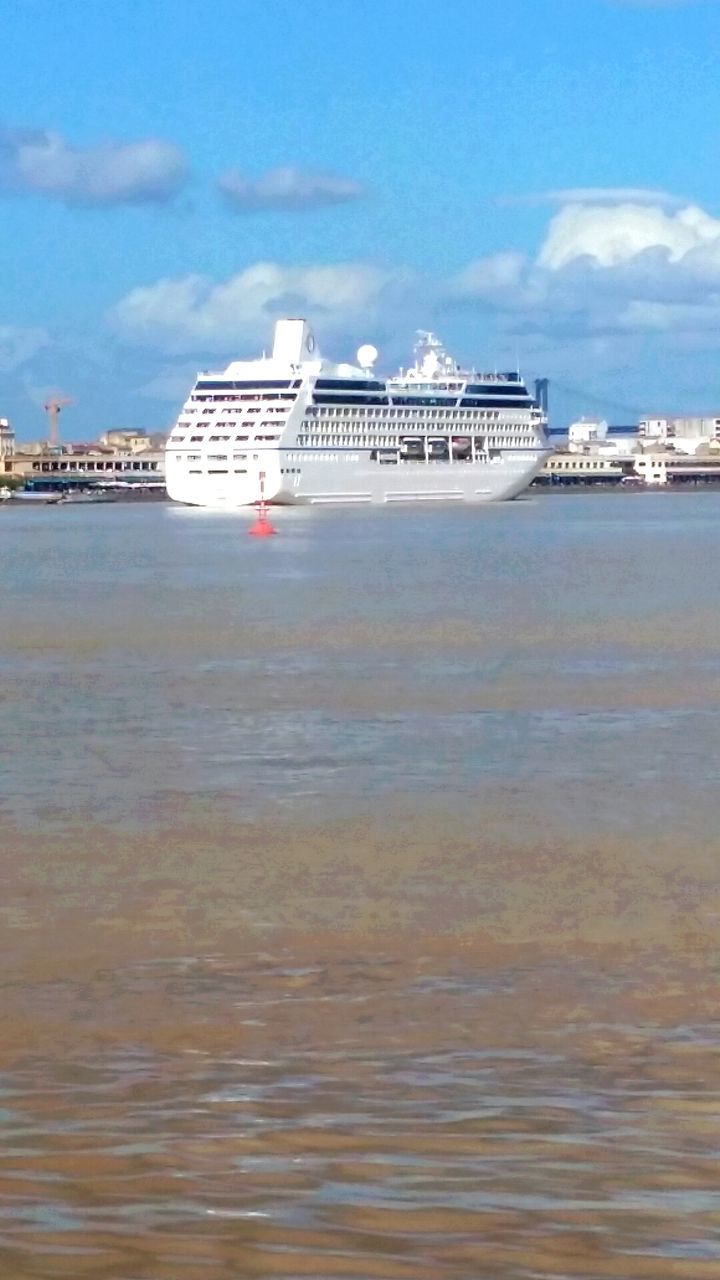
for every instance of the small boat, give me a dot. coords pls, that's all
(75, 499)
(36, 495)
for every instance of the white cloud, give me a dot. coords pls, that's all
(196, 314)
(597, 195)
(630, 281)
(286, 189)
(34, 161)
(602, 271)
(609, 236)
(19, 345)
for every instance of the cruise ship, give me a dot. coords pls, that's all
(293, 428)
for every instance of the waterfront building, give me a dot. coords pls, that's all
(132, 441)
(683, 434)
(657, 468)
(7, 439)
(586, 432)
(93, 465)
(581, 469)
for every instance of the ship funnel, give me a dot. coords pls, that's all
(541, 393)
(294, 342)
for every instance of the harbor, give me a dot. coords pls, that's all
(360, 698)
(658, 454)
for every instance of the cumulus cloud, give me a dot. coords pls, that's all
(605, 270)
(608, 236)
(286, 189)
(196, 314)
(36, 161)
(19, 345)
(611, 274)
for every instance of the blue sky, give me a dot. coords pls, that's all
(524, 175)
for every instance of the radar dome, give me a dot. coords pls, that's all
(366, 355)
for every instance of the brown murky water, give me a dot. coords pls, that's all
(361, 907)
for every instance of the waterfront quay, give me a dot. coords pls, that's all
(56, 472)
(587, 458)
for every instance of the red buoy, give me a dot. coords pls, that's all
(262, 527)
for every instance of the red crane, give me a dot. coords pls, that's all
(52, 409)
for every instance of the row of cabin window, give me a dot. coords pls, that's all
(239, 471)
(413, 387)
(234, 385)
(221, 457)
(447, 424)
(248, 399)
(482, 382)
(302, 457)
(220, 439)
(393, 442)
(440, 402)
(224, 426)
(211, 411)
(240, 457)
(203, 424)
(516, 434)
(225, 439)
(357, 386)
(208, 409)
(404, 415)
(216, 457)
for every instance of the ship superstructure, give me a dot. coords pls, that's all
(295, 428)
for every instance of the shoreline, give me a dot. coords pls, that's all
(598, 487)
(592, 489)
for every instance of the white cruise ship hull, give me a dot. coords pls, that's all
(327, 481)
(295, 429)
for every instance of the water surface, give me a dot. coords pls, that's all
(360, 894)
